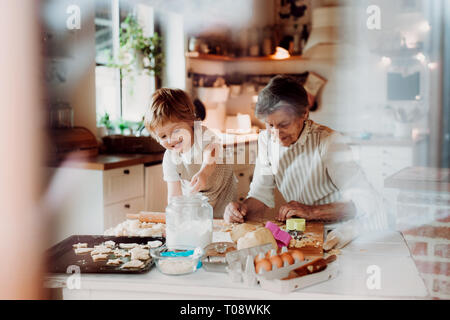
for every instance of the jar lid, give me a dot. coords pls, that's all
(190, 199)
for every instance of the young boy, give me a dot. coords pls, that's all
(189, 164)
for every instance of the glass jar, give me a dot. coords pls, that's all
(189, 221)
(61, 116)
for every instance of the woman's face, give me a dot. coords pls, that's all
(176, 136)
(285, 126)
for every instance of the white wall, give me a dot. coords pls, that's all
(172, 28)
(75, 57)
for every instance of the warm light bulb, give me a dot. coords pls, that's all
(280, 54)
(421, 57)
(410, 39)
(386, 61)
(425, 26)
(433, 65)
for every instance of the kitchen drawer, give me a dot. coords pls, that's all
(397, 152)
(124, 183)
(117, 213)
(155, 189)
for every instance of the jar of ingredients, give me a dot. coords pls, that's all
(61, 116)
(189, 221)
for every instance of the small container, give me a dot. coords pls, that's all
(189, 221)
(177, 260)
(214, 258)
(61, 116)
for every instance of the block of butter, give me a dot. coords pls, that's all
(297, 224)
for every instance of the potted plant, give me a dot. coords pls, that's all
(105, 124)
(138, 52)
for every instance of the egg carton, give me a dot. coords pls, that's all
(241, 267)
(275, 283)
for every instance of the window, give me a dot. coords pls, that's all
(122, 97)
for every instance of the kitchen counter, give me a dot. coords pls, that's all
(421, 202)
(111, 161)
(420, 179)
(399, 278)
(379, 140)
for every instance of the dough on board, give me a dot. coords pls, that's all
(80, 245)
(83, 250)
(114, 262)
(109, 244)
(99, 257)
(128, 245)
(121, 253)
(133, 264)
(154, 244)
(101, 250)
(139, 254)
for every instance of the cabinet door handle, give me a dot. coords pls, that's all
(126, 171)
(127, 206)
(241, 174)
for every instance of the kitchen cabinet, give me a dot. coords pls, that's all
(381, 161)
(155, 189)
(116, 213)
(123, 183)
(91, 201)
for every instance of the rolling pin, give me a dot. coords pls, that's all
(314, 266)
(143, 216)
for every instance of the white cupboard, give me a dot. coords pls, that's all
(84, 201)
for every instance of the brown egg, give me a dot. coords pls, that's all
(286, 257)
(258, 258)
(297, 255)
(264, 264)
(270, 253)
(276, 261)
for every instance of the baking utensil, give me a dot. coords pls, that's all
(61, 256)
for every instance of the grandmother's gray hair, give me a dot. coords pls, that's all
(285, 92)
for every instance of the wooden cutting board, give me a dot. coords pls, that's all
(315, 232)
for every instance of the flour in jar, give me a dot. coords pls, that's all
(196, 233)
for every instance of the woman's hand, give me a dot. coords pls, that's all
(295, 209)
(235, 212)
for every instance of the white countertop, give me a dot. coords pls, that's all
(399, 279)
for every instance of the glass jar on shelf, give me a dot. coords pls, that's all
(61, 115)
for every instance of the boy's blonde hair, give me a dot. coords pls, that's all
(169, 105)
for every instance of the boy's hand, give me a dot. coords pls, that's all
(198, 181)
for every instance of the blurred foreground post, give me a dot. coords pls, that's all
(21, 119)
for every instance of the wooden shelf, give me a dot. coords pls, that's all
(213, 57)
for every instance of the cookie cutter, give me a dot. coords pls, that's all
(281, 237)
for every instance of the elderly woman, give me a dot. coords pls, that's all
(309, 163)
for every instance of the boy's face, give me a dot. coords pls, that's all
(177, 136)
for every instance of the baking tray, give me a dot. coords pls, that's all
(62, 255)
